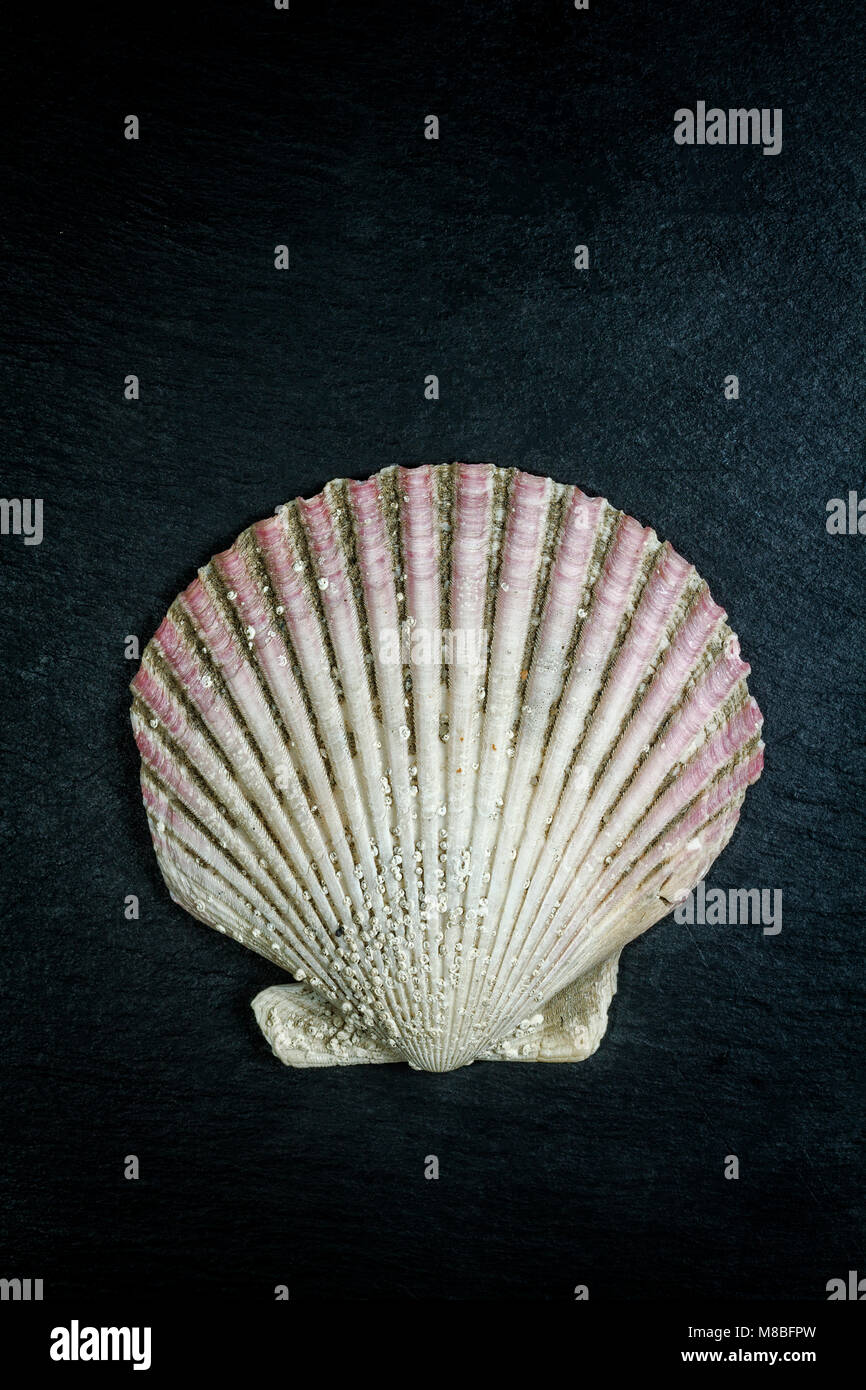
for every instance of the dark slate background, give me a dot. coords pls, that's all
(410, 257)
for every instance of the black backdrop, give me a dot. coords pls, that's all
(411, 257)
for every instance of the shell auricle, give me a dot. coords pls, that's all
(439, 745)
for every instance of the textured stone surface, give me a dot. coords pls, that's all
(411, 257)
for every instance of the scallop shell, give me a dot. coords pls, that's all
(439, 745)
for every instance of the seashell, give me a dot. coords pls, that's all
(439, 745)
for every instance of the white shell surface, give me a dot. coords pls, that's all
(438, 745)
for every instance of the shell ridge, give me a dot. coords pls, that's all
(578, 868)
(311, 533)
(261, 796)
(475, 568)
(554, 585)
(421, 562)
(617, 576)
(524, 531)
(379, 563)
(218, 713)
(656, 589)
(680, 814)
